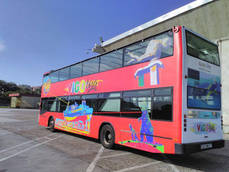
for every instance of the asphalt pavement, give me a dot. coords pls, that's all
(27, 147)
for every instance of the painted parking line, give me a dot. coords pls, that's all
(29, 148)
(116, 155)
(4, 132)
(12, 110)
(174, 168)
(169, 163)
(138, 166)
(27, 142)
(6, 119)
(93, 163)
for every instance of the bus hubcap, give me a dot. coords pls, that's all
(51, 123)
(107, 137)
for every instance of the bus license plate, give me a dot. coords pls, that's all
(206, 146)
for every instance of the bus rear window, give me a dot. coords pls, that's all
(202, 49)
(199, 98)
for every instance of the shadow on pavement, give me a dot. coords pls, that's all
(209, 160)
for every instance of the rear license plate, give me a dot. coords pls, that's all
(206, 146)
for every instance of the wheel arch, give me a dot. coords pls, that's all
(50, 117)
(101, 126)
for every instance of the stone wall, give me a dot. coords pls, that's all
(224, 53)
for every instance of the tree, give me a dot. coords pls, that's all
(7, 88)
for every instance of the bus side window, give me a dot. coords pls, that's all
(136, 101)
(73, 100)
(48, 105)
(44, 106)
(130, 108)
(111, 60)
(92, 103)
(62, 104)
(162, 104)
(53, 105)
(129, 104)
(91, 66)
(136, 105)
(109, 105)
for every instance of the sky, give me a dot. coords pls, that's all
(37, 36)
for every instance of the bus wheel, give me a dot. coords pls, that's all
(107, 136)
(51, 124)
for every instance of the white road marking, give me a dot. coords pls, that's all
(175, 169)
(3, 134)
(30, 141)
(48, 138)
(24, 110)
(6, 119)
(34, 146)
(92, 165)
(111, 156)
(138, 166)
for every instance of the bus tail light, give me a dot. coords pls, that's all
(221, 122)
(185, 123)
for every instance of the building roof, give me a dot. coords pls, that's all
(20, 94)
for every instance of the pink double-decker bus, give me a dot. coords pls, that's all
(161, 95)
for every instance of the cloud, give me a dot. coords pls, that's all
(2, 46)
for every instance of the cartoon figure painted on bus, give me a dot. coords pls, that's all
(211, 94)
(146, 131)
(133, 133)
(77, 118)
(213, 89)
(46, 84)
(153, 69)
(75, 110)
(152, 51)
(146, 128)
(146, 140)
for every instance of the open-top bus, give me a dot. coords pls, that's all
(161, 94)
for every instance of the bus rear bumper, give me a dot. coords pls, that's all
(198, 147)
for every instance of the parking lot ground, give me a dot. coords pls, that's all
(25, 146)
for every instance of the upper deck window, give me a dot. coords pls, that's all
(91, 66)
(202, 49)
(156, 47)
(64, 74)
(111, 60)
(54, 76)
(76, 70)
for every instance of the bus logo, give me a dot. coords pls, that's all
(83, 86)
(46, 85)
(203, 128)
(153, 69)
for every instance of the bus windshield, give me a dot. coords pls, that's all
(202, 49)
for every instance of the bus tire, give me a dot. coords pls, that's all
(51, 124)
(107, 136)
